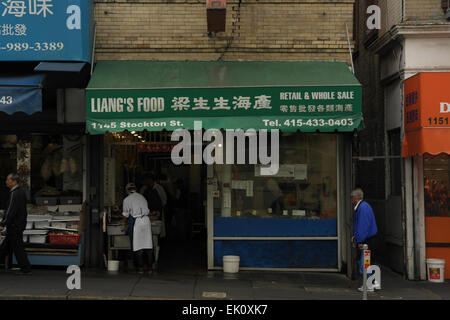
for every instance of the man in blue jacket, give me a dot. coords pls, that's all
(364, 226)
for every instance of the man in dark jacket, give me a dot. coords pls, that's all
(15, 221)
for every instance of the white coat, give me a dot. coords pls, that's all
(136, 206)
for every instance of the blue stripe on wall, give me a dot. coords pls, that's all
(278, 253)
(274, 227)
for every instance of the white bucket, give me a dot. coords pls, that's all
(231, 264)
(435, 270)
(113, 265)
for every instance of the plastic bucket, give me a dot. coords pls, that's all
(113, 265)
(435, 270)
(231, 264)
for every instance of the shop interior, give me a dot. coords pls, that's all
(436, 177)
(179, 236)
(303, 188)
(51, 171)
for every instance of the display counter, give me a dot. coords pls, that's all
(50, 171)
(55, 255)
(119, 240)
(54, 235)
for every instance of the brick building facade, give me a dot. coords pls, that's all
(255, 30)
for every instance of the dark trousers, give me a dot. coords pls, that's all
(13, 243)
(130, 234)
(138, 256)
(148, 254)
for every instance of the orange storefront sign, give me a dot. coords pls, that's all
(436, 234)
(427, 114)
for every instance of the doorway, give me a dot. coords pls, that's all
(182, 242)
(436, 176)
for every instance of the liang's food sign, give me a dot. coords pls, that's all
(288, 96)
(288, 108)
(51, 30)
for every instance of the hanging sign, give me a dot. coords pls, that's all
(155, 147)
(427, 114)
(51, 30)
(309, 109)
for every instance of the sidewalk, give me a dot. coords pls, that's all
(246, 285)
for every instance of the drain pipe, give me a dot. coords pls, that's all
(350, 48)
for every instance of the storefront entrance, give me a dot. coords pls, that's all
(436, 175)
(180, 242)
(426, 142)
(293, 220)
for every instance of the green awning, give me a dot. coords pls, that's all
(150, 95)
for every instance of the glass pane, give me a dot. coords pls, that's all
(47, 165)
(56, 166)
(304, 188)
(436, 175)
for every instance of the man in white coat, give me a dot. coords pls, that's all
(135, 208)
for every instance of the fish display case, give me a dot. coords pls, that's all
(51, 172)
(55, 235)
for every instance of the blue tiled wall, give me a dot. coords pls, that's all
(279, 253)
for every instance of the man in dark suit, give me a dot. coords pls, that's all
(15, 221)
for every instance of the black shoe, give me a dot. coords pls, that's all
(23, 273)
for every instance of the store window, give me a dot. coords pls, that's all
(57, 167)
(287, 220)
(436, 177)
(50, 170)
(304, 188)
(49, 166)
